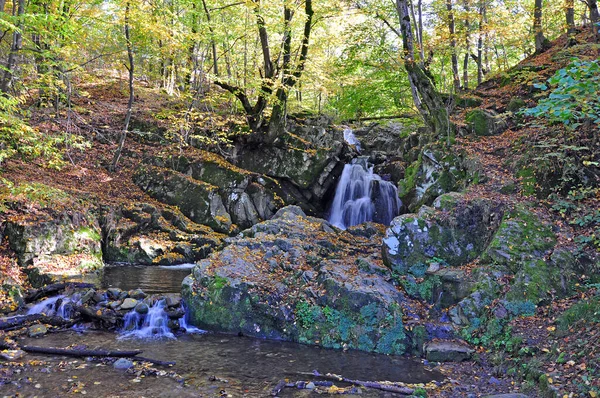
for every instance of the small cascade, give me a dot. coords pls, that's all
(154, 324)
(183, 323)
(46, 307)
(351, 139)
(362, 195)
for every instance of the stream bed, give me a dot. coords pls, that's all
(213, 365)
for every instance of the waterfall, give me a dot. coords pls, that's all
(183, 323)
(46, 307)
(154, 324)
(351, 139)
(361, 196)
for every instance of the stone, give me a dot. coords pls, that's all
(456, 231)
(142, 308)
(87, 296)
(129, 304)
(342, 305)
(433, 268)
(494, 381)
(137, 294)
(484, 122)
(447, 351)
(113, 305)
(113, 292)
(11, 355)
(172, 300)
(516, 395)
(173, 324)
(175, 313)
(122, 363)
(37, 330)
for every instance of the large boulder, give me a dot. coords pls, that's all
(142, 233)
(297, 278)
(455, 231)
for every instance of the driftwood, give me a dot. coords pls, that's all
(49, 290)
(108, 317)
(368, 384)
(72, 352)
(26, 320)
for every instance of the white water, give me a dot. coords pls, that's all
(154, 324)
(351, 139)
(48, 306)
(361, 196)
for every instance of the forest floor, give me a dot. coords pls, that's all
(542, 355)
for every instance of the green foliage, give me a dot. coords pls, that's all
(19, 140)
(33, 193)
(588, 310)
(575, 95)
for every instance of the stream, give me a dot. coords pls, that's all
(212, 364)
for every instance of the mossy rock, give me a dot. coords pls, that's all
(516, 104)
(198, 200)
(485, 122)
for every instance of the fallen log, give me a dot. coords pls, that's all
(19, 321)
(368, 384)
(54, 288)
(109, 317)
(72, 352)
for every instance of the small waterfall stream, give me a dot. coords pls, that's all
(361, 196)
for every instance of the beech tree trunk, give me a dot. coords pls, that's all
(454, 56)
(541, 43)
(432, 106)
(16, 46)
(117, 156)
(594, 16)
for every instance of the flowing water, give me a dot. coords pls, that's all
(361, 196)
(250, 366)
(151, 279)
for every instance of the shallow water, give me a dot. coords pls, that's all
(151, 279)
(251, 367)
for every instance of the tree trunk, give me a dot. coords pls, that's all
(212, 39)
(433, 109)
(454, 56)
(467, 48)
(570, 19)
(594, 16)
(117, 156)
(16, 46)
(482, 7)
(541, 43)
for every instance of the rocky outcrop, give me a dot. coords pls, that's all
(518, 264)
(437, 171)
(65, 246)
(142, 233)
(305, 161)
(297, 278)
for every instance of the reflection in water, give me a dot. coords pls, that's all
(251, 366)
(151, 279)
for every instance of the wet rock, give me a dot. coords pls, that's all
(113, 305)
(122, 363)
(142, 308)
(175, 313)
(11, 355)
(173, 324)
(507, 396)
(37, 330)
(437, 171)
(87, 296)
(447, 351)
(341, 305)
(137, 294)
(172, 300)
(113, 292)
(129, 303)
